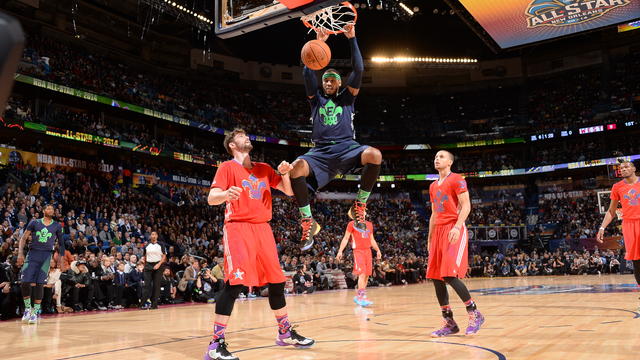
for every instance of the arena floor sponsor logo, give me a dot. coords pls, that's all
(558, 289)
(568, 12)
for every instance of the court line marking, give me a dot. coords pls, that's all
(498, 354)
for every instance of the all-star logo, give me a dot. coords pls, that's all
(239, 275)
(330, 113)
(254, 186)
(43, 235)
(633, 196)
(440, 199)
(568, 12)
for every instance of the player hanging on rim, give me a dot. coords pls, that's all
(44, 233)
(336, 151)
(447, 243)
(361, 241)
(627, 193)
(250, 254)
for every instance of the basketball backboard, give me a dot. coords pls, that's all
(237, 17)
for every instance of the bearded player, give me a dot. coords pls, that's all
(447, 243)
(627, 193)
(336, 151)
(250, 254)
(361, 241)
(44, 233)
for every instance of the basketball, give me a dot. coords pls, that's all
(316, 54)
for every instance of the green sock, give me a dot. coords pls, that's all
(27, 303)
(363, 196)
(305, 211)
(36, 308)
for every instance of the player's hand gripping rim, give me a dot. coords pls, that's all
(233, 193)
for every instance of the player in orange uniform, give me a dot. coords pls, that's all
(361, 241)
(626, 192)
(448, 243)
(250, 255)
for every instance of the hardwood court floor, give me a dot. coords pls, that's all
(542, 318)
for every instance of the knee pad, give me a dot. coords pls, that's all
(26, 289)
(276, 296)
(227, 298)
(38, 292)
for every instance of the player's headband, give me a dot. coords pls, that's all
(331, 74)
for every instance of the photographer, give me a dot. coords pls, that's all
(205, 286)
(302, 283)
(168, 287)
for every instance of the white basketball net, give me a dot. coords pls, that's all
(332, 19)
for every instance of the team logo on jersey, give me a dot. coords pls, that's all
(363, 232)
(633, 196)
(568, 12)
(43, 235)
(440, 199)
(238, 274)
(330, 113)
(462, 184)
(254, 186)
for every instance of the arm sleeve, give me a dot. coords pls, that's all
(274, 179)
(60, 242)
(460, 186)
(357, 64)
(310, 81)
(221, 180)
(614, 193)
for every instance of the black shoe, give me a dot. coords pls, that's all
(218, 351)
(154, 307)
(310, 228)
(358, 212)
(292, 338)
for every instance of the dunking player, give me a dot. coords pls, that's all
(361, 241)
(44, 233)
(250, 255)
(447, 243)
(336, 151)
(626, 192)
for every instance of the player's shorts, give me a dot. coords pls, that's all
(250, 255)
(327, 161)
(36, 267)
(362, 262)
(631, 235)
(448, 259)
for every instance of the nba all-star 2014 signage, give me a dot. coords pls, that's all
(514, 23)
(569, 12)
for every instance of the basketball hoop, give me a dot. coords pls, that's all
(332, 19)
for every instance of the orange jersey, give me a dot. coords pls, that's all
(360, 239)
(444, 198)
(254, 204)
(629, 197)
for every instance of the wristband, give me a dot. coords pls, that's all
(601, 228)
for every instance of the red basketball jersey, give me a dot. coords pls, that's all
(360, 239)
(629, 197)
(254, 204)
(444, 198)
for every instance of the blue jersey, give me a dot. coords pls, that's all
(43, 237)
(332, 117)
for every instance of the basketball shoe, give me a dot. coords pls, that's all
(357, 213)
(310, 228)
(27, 315)
(475, 321)
(218, 351)
(449, 327)
(292, 338)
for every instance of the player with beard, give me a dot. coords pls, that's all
(335, 151)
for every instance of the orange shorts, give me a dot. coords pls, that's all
(250, 255)
(631, 235)
(447, 259)
(362, 262)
